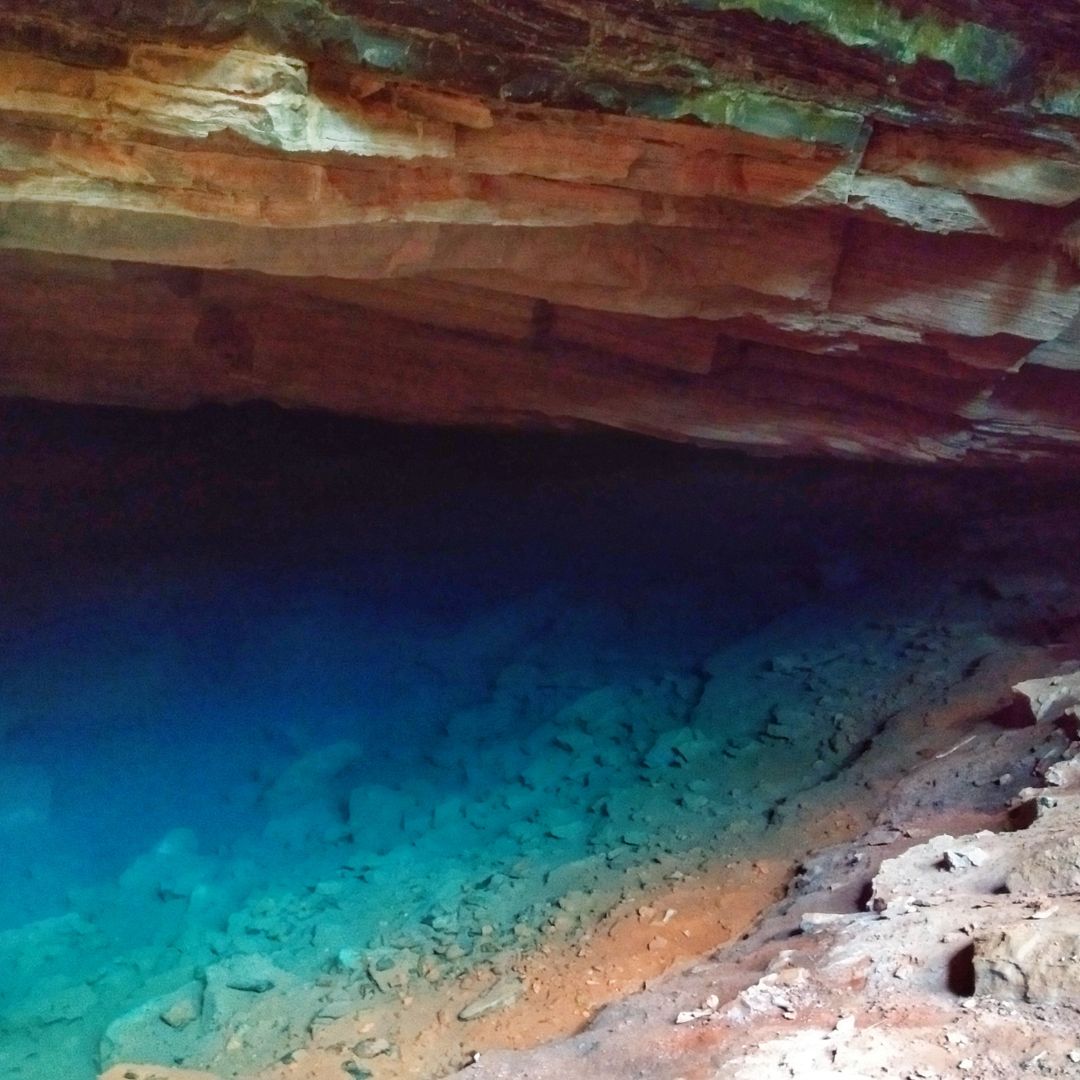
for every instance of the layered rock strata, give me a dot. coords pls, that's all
(789, 227)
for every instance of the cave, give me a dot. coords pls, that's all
(538, 540)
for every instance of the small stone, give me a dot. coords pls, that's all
(391, 969)
(845, 1025)
(335, 1008)
(778, 731)
(791, 976)
(350, 959)
(251, 984)
(957, 859)
(567, 830)
(814, 921)
(882, 836)
(690, 1015)
(1043, 911)
(369, 1048)
(501, 996)
(1064, 773)
(180, 1014)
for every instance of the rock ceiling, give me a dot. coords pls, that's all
(793, 226)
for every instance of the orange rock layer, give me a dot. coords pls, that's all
(221, 222)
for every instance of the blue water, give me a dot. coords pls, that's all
(243, 653)
(155, 686)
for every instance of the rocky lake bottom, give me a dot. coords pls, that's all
(308, 726)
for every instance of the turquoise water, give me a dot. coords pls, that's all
(329, 708)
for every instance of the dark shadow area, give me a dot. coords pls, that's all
(866, 894)
(1012, 716)
(961, 972)
(1023, 816)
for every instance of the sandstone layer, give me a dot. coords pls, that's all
(790, 227)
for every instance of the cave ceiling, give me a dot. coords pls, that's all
(787, 226)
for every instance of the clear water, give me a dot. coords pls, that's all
(297, 689)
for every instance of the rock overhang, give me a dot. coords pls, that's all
(787, 227)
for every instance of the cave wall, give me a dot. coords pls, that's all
(788, 227)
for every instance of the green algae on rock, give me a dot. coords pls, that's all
(759, 114)
(976, 53)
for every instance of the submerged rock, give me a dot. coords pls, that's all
(162, 1029)
(181, 1013)
(370, 1048)
(500, 996)
(313, 776)
(392, 969)
(253, 974)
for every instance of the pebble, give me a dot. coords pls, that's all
(845, 1025)
(690, 1015)
(369, 1048)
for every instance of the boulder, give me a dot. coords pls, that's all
(1052, 698)
(1032, 961)
(1054, 868)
